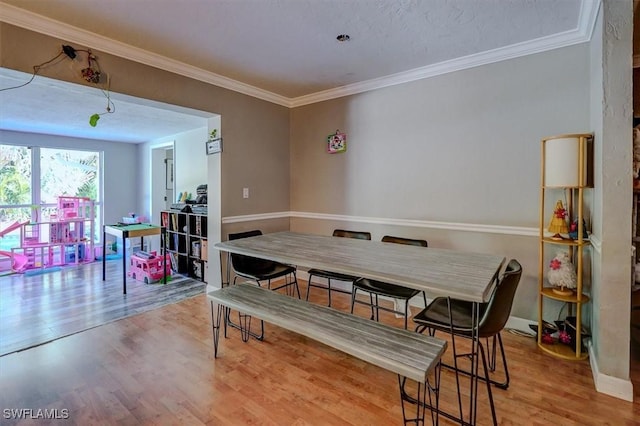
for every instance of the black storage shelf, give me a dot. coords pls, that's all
(186, 242)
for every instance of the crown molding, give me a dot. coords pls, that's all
(41, 24)
(581, 34)
(31, 21)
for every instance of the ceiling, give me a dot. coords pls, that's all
(286, 50)
(54, 107)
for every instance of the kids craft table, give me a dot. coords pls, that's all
(124, 231)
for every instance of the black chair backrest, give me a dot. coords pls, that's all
(246, 234)
(497, 310)
(247, 264)
(406, 241)
(352, 234)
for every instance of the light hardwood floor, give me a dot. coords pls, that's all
(158, 368)
(39, 308)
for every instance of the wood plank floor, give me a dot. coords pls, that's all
(158, 368)
(36, 309)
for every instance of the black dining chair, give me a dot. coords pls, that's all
(456, 317)
(378, 288)
(257, 270)
(260, 270)
(329, 275)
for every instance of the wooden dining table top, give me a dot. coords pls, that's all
(439, 272)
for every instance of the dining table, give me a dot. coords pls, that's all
(439, 272)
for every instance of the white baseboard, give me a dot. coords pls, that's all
(520, 324)
(613, 386)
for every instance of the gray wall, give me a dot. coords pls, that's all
(256, 132)
(456, 149)
(461, 147)
(453, 150)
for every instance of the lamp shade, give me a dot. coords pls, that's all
(565, 161)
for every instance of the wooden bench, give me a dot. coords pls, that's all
(410, 355)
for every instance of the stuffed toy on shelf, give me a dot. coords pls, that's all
(562, 274)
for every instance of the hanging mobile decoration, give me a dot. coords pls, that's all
(110, 108)
(91, 74)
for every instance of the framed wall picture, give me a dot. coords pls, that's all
(336, 142)
(214, 146)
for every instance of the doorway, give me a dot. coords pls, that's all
(162, 179)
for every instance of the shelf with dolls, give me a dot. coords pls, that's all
(563, 261)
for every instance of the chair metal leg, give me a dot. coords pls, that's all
(505, 384)
(477, 355)
(243, 331)
(406, 313)
(295, 279)
(489, 392)
(377, 318)
(353, 298)
(290, 286)
(328, 288)
(500, 385)
(242, 327)
(308, 287)
(492, 353)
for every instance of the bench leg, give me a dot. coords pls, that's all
(245, 326)
(216, 320)
(430, 388)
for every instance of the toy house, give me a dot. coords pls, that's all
(66, 238)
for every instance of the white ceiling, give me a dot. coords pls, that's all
(287, 50)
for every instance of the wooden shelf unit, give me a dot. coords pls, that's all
(186, 242)
(574, 194)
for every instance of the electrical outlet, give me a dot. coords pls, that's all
(245, 192)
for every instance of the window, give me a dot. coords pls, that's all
(31, 179)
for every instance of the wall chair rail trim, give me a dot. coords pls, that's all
(453, 226)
